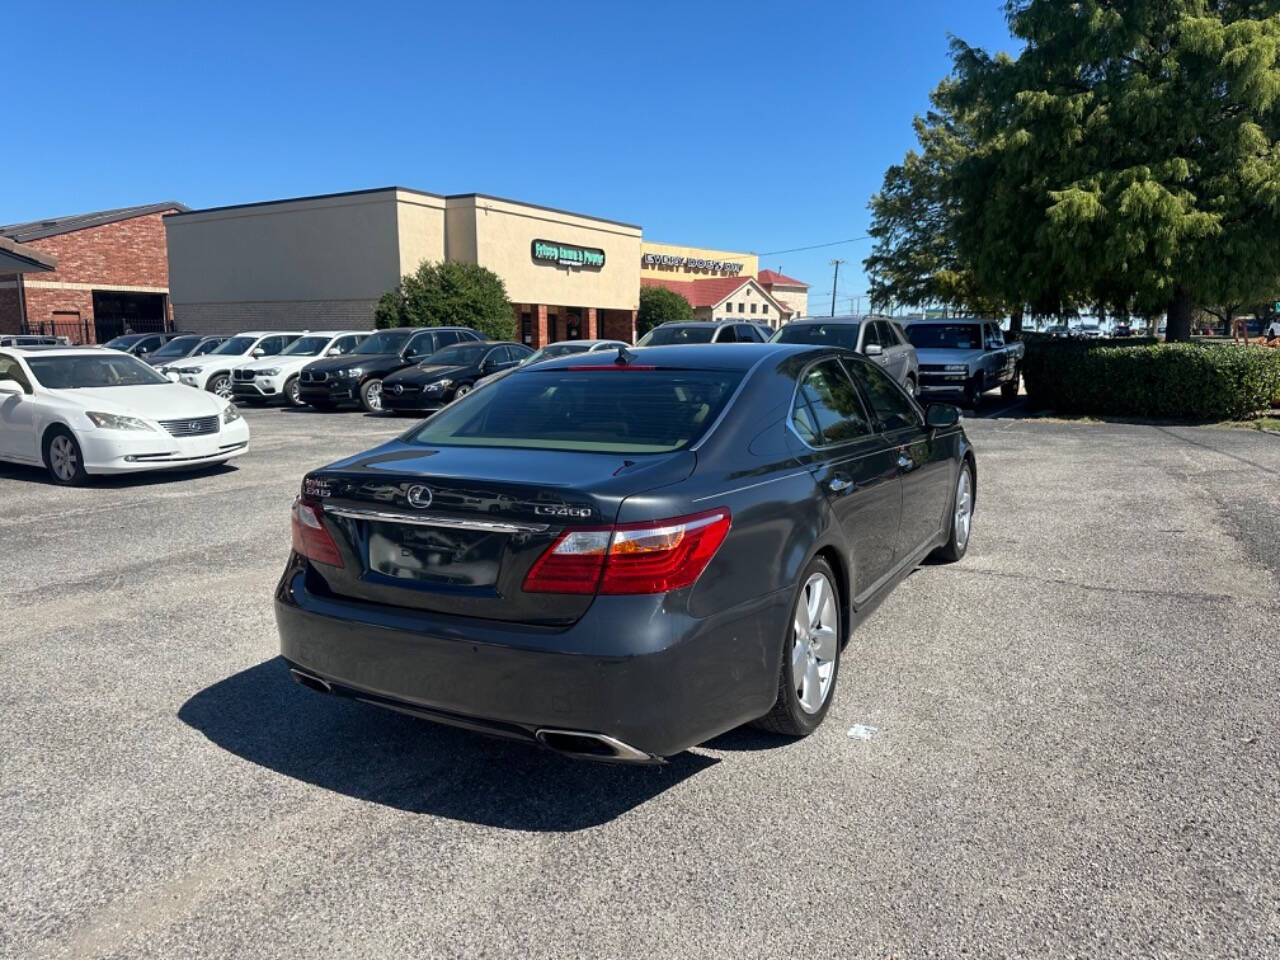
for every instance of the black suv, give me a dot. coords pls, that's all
(357, 377)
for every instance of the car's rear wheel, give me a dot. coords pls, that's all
(292, 392)
(810, 656)
(221, 385)
(63, 458)
(961, 517)
(371, 395)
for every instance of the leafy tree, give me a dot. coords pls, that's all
(1127, 157)
(660, 305)
(449, 293)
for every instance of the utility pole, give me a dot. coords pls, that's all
(835, 282)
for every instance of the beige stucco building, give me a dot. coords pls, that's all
(322, 262)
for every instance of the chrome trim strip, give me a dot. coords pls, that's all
(751, 486)
(435, 520)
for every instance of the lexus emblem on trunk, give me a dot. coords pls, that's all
(418, 496)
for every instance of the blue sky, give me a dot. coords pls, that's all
(747, 126)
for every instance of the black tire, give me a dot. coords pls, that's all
(955, 548)
(462, 390)
(788, 717)
(371, 394)
(1009, 389)
(291, 393)
(63, 459)
(973, 392)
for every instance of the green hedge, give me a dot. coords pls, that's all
(1175, 381)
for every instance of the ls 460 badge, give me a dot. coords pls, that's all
(315, 488)
(563, 510)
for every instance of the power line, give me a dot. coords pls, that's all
(816, 246)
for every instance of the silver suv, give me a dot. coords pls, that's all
(878, 338)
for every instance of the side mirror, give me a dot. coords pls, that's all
(172, 377)
(258, 352)
(333, 352)
(11, 387)
(873, 350)
(940, 415)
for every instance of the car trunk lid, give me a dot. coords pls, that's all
(456, 530)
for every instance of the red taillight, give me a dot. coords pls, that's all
(650, 557)
(310, 538)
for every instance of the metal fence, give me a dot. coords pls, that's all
(82, 330)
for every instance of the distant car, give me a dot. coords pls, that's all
(966, 355)
(273, 378)
(83, 411)
(1272, 330)
(1060, 331)
(212, 372)
(448, 374)
(141, 345)
(1122, 330)
(181, 347)
(561, 348)
(704, 331)
(31, 340)
(877, 338)
(1090, 331)
(357, 377)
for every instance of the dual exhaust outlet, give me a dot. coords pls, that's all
(579, 744)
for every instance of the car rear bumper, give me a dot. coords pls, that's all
(631, 669)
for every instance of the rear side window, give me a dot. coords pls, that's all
(827, 408)
(891, 406)
(606, 411)
(748, 333)
(446, 338)
(872, 335)
(270, 346)
(726, 334)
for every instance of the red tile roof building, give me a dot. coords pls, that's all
(725, 298)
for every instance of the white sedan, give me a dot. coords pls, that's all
(89, 410)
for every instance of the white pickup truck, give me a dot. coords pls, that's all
(966, 355)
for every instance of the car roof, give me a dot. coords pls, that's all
(700, 323)
(921, 320)
(720, 356)
(88, 350)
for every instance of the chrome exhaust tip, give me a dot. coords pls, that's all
(310, 682)
(592, 746)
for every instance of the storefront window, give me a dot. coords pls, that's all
(526, 328)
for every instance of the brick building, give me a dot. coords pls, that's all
(112, 272)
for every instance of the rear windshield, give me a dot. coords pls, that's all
(945, 336)
(606, 411)
(666, 336)
(829, 334)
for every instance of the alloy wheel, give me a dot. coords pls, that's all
(816, 644)
(373, 395)
(222, 387)
(63, 458)
(462, 391)
(964, 508)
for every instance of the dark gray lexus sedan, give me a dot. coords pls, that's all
(622, 555)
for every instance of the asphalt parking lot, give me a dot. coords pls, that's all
(1077, 744)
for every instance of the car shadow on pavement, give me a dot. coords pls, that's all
(410, 764)
(116, 481)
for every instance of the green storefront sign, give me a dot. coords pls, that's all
(567, 255)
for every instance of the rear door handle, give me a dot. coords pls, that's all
(840, 484)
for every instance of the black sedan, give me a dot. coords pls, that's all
(622, 557)
(448, 374)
